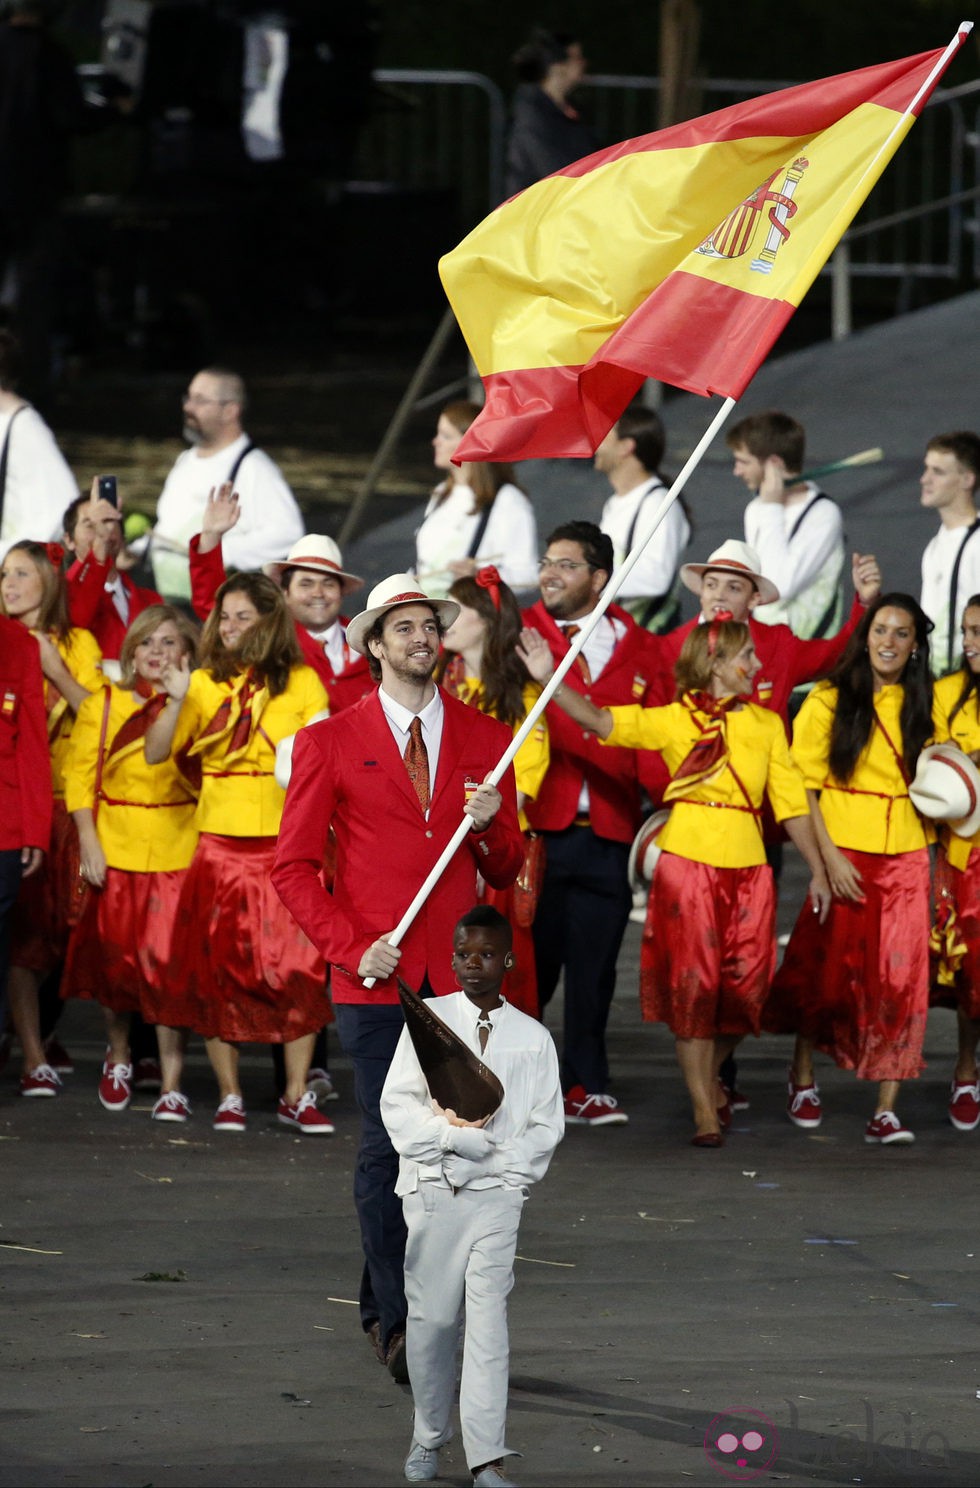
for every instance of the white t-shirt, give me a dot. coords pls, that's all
(510, 540)
(39, 484)
(269, 524)
(656, 570)
(806, 566)
(938, 562)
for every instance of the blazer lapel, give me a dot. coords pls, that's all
(457, 725)
(378, 738)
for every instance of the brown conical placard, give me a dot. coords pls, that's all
(456, 1076)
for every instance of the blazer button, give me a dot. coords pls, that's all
(428, 834)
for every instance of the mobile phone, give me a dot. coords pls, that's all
(107, 489)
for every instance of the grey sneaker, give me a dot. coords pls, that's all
(492, 1476)
(422, 1463)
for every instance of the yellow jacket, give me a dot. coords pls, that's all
(145, 816)
(872, 812)
(239, 796)
(532, 759)
(965, 733)
(81, 655)
(715, 825)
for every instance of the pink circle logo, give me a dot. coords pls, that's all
(741, 1444)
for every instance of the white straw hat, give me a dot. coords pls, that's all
(947, 788)
(734, 557)
(399, 589)
(320, 555)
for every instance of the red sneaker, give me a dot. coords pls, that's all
(305, 1116)
(58, 1056)
(230, 1115)
(147, 1075)
(41, 1080)
(115, 1086)
(582, 1109)
(964, 1106)
(803, 1105)
(171, 1107)
(886, 1129)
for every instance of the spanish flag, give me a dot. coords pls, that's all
(679, 255)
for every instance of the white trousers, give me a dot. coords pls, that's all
(460, 1252)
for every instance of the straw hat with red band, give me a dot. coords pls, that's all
(947, 788)
(732, 557)
(399, 589)
(319, 555)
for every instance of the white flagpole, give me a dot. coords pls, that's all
(589, 623)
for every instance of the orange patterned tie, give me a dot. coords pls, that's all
(417, 762)
(571, 631)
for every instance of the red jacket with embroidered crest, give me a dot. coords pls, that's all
(614, 776)
(349, 775)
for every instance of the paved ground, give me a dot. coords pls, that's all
(178, 1304)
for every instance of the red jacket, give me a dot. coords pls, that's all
(786, 660)
(343, 688)
(25, 767)
(348, 775)
(91, 608)
(632, 675)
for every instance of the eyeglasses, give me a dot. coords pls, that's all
(563, 565)
(196, 399)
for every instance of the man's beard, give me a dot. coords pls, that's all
(193, 434)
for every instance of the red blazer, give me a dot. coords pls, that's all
(91, 608)
(343, 688)
(25, 767)
(786, 660)
(348, 774)
(632, 675)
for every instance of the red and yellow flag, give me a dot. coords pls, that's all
(679, 255)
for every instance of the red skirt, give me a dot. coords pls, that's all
(858, 986)
(963, 887)
(521, 982)
(50, 901)
(119, 954)
(242, 970)
(709, 948)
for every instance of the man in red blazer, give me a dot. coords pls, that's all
(588, 810)
(315, 584)
(101, 597)
(350, 773)
(25, 773)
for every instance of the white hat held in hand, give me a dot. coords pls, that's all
(947, 788)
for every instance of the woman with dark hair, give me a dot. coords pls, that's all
(858, 988)
(709, 946)
(242, 969)
(481, 667)
(137, 838)
(476, 515)
(957, 879)
(546, 131)
(32, 592)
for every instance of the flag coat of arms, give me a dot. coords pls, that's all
(678, 255)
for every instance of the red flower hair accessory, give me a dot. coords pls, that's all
(488, 578)
(56, 554)
(722, 618)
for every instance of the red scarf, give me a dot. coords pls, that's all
(710, 754)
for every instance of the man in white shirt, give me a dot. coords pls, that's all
(951, 561)
(35, 482)
(220, 451)
(630, 457)
(794, 527)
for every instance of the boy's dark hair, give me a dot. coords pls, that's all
(70, 519)
(964, 446)
(771, 433)
(596, 545)
(645, 427)
(485, 917)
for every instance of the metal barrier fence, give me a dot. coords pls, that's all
(444, 129)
